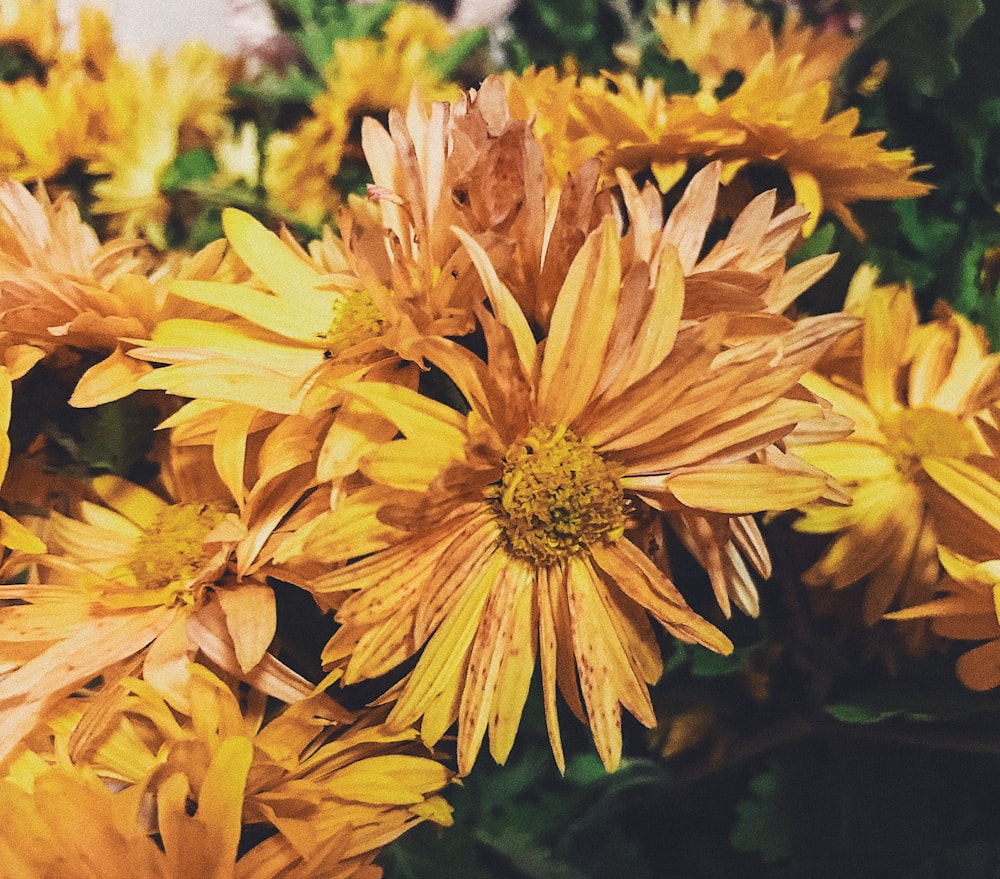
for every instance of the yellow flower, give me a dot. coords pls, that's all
(967, 611)
(771, 120)
(504, 531)
(829, 166)
(71, 825)
(32, 24)
(914, 394)
(138, 138)
(718, 36)
(44, 127)
(142, 579)
(300, 164)
(288, 329)
(324, 790)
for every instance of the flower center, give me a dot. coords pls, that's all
(172, 548)
(556, 496)
(355, 319)
(922, 432)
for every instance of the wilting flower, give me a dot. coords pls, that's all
(465, 164)
(917, 396)
(323, 793)
(501, 534)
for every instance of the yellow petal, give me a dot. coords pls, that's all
(970, 486)
(251, 619)
(580, 327)
(111, 379)
(274, 262)
(744, 488)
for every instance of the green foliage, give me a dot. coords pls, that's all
(549, 31)
(188, 167)
(919, 37)
(318, 24)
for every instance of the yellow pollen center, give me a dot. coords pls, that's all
(355, 319)
(172, 548)
(913, 434)
(556, 496)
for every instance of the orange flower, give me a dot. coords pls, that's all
(718, 36)
(500, 536)
(920, 398)
(143, 580)
(772, 119)
(967, 611)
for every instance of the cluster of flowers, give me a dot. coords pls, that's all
(464, 424)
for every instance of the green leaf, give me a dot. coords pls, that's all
(820, 242)
(762, 823)
(708, 664)
(195, 164)
(847, 712)
(116, 436)
(446, 63)
(932, 235)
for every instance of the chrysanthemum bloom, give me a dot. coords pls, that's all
(966, 611)
(442, 165)
(137, 138)
(287, 332)
(629, 124)
(915, 394)
(719, 36)
(142, 579)
(770, 120)
(504, 530)
(63, 291)
(323, 792)
(300, 165)
(472, 166)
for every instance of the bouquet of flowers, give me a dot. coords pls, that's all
(383, 392)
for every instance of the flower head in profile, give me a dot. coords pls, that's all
(500, 537)
(917, 395)
(771, 120)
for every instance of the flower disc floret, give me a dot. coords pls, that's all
(356, 319)
(172, 548)
(557, 496)
(922, 432)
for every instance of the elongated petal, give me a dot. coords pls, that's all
(580, 327)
